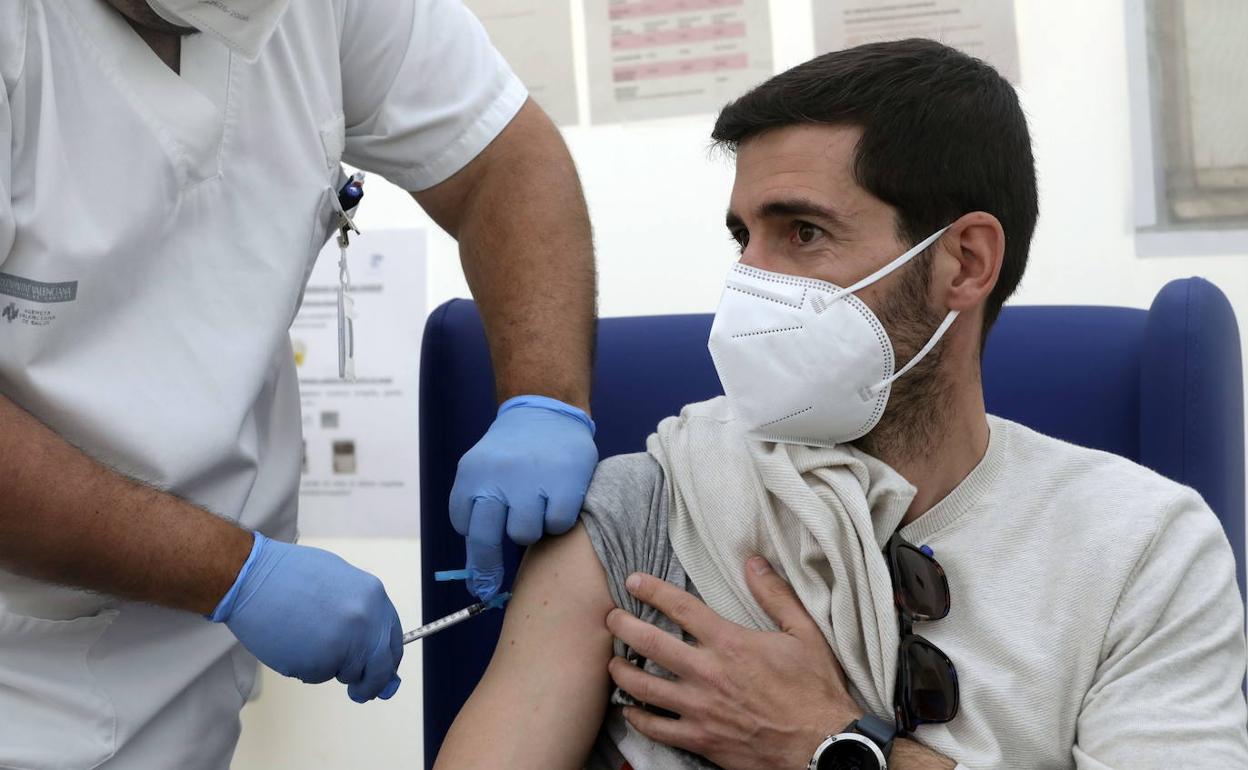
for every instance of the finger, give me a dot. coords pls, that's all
(352, 671)
(682, 607)
(646, 687)
(319, 668)
(396, 653)
(654, 643)
(678, 733)
(391, 688)
(485, 547)
(779, 601)
(524, 518)
(461, 501)
(378, 671)
(396, 640)
(562, 510)
(316, 675)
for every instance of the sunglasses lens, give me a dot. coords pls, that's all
(932, 691)
(923, 589)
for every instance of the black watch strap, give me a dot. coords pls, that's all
(879, 731)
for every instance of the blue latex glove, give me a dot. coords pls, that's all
(527, 476)
(306, 613)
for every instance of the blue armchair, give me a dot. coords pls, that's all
(1163, 387)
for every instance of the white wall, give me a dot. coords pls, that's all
(657, 202)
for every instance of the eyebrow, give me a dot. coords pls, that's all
(790, 207)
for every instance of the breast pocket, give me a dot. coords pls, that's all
(53, 715)
(323, 222)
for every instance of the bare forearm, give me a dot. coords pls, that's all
(67, 519)
(528, 256)
(912, 755)
(527, 253)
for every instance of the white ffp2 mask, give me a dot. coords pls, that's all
(243, 25)
(804, 361)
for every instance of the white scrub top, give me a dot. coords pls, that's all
(156, 233)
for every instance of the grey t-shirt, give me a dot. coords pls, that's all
(625, 514)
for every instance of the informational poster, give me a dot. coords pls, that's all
(981, 28)
(535, 36)
(661, 58)
(360, 459)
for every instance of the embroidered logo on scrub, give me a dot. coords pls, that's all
(34, 291)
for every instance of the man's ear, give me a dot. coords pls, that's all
(973, 247)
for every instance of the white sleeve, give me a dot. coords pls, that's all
(8, 227)
(12, 40)
(424, 90)
(1167, 692)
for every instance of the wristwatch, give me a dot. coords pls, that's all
(863, 745)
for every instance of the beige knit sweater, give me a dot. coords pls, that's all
(1095, 619)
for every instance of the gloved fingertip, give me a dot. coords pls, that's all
(562, 513)
(391, 688)
(524, 531)
(485, 566)
(560, 524)
(484, 587)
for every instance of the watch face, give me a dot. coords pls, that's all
(849, 755)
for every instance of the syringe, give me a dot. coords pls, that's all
(442, 624)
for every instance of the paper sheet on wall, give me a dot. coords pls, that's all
(661, 58)
(981, 28)
(535, 37)
(361, 461)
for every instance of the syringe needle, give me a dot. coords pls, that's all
(441, 623)
(454, 618)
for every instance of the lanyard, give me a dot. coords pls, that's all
(345, 199)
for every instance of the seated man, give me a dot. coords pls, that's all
(1090, 618)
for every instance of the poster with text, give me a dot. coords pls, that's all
(662, 58)
(360, 460)
(535, 37)
(981, 28)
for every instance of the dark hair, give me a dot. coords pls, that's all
(942, 135)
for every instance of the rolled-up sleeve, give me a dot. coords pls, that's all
(424, 89)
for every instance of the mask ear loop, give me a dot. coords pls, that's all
(869, 393)
(931, 343)
(891, 266)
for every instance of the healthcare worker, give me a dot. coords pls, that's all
(168, 173)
